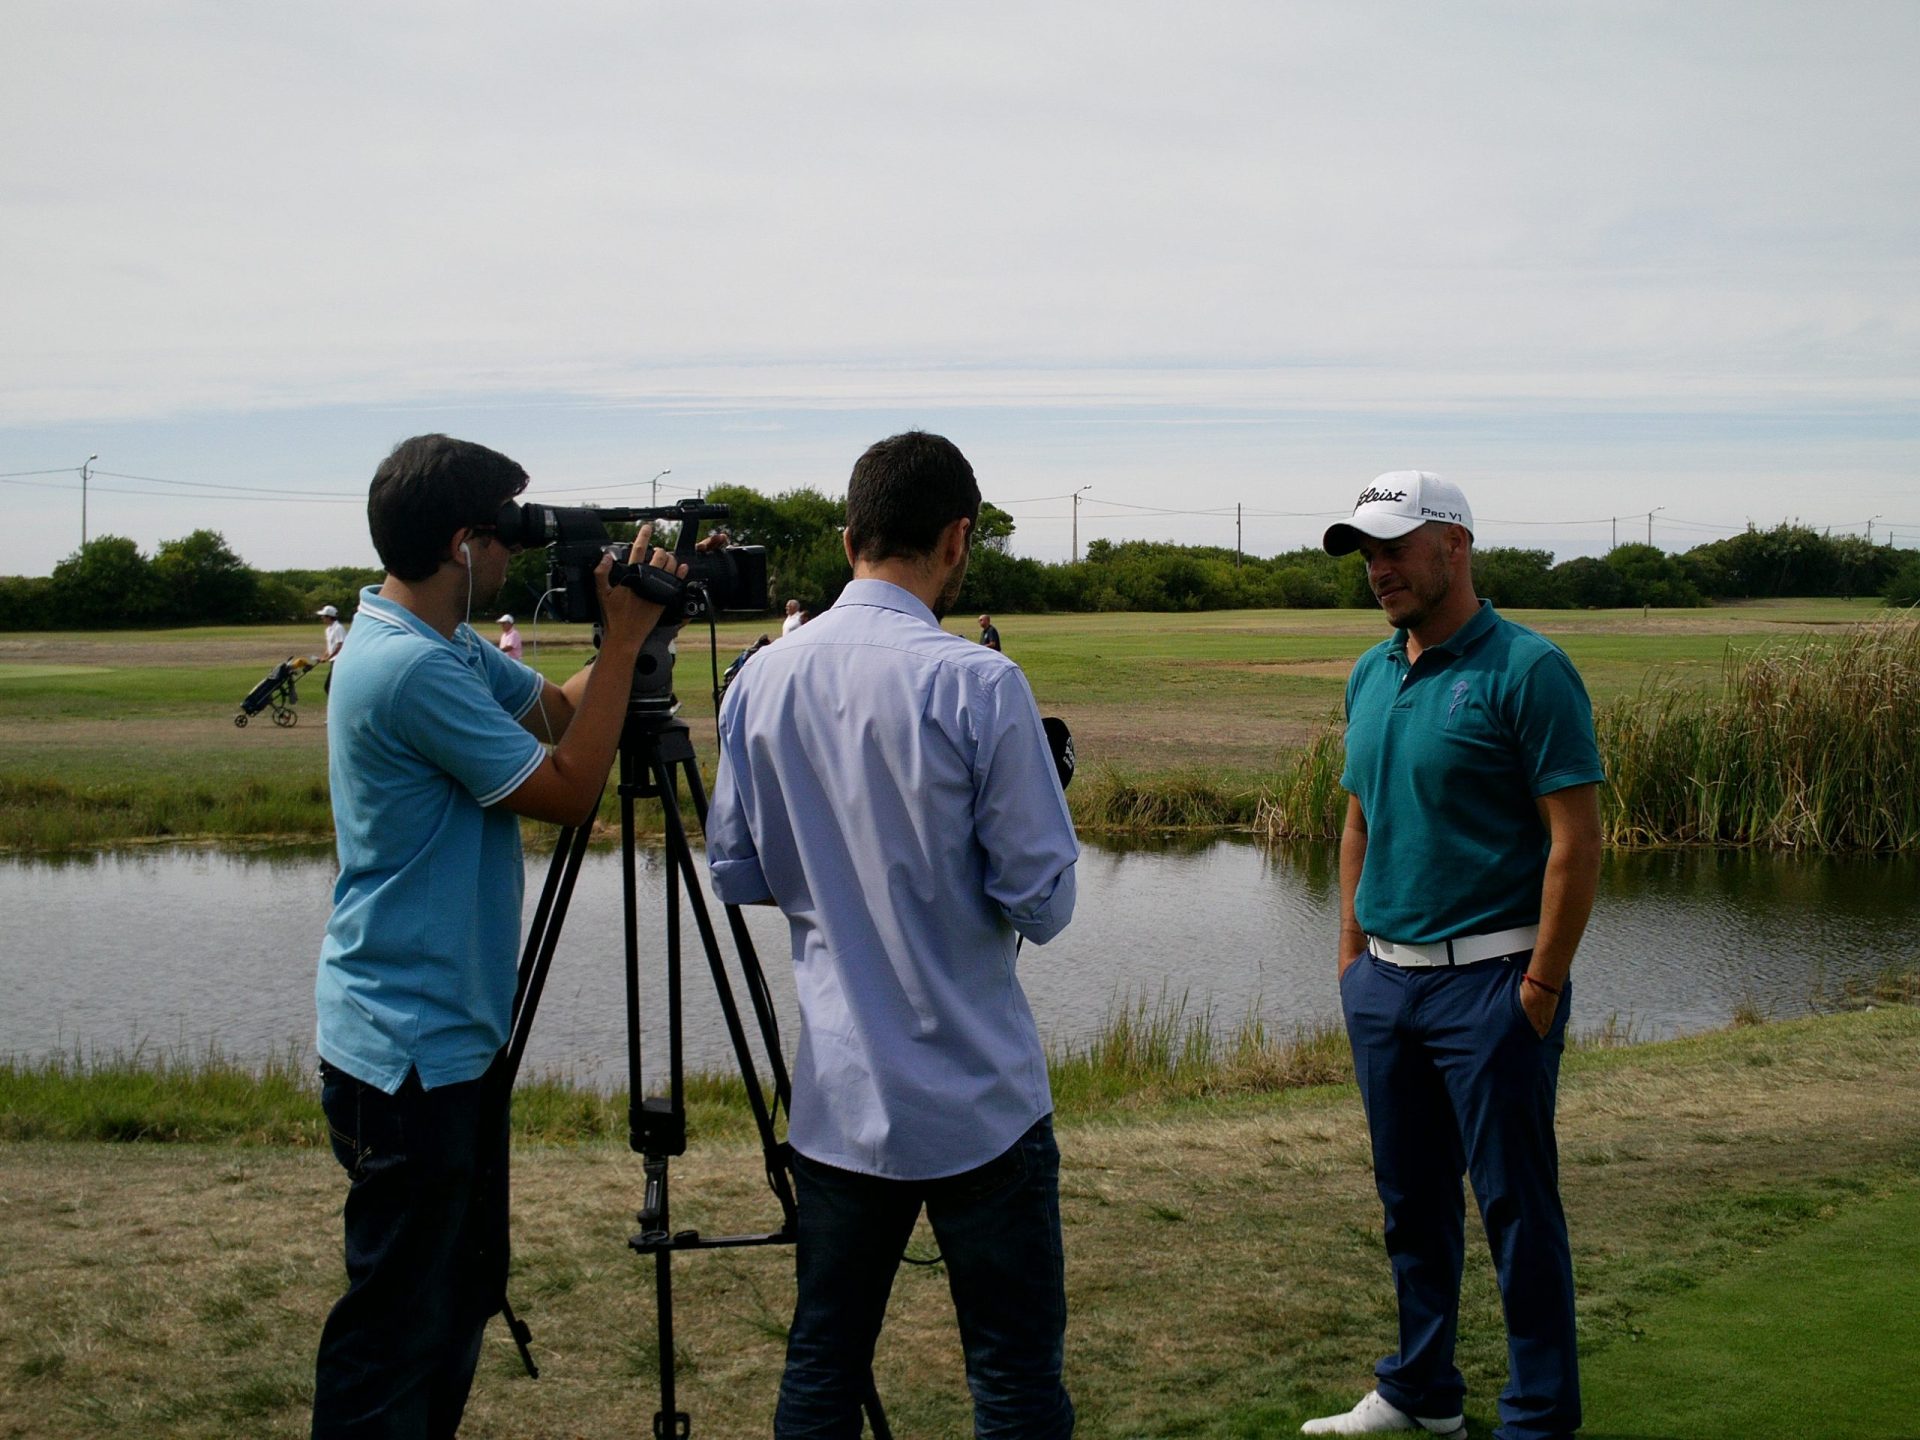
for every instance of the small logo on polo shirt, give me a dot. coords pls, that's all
(1459, 699)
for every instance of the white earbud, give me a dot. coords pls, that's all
(464, 550)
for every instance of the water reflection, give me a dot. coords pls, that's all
(184, 948)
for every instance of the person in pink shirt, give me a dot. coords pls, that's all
(509, 637)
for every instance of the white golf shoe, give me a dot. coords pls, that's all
(1374, 1416)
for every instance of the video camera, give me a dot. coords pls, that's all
(575, 539)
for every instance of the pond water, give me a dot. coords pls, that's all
(191, 949)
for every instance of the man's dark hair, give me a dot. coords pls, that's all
(905, 490)
(429, 487)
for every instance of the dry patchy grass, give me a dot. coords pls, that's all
(1224, 1259)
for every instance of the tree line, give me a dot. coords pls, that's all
(110, 582)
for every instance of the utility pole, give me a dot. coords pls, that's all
(1616, 534)
(1236, 535)
(656, 488)
(85, 471)
(1076, 522)
(1650, 514)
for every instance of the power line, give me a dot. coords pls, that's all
(268, 499)
(1155, 509)
(223, 485)
(602, 489)
(1602, 520)
(1034, 499)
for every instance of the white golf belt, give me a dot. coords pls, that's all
(1461, 950)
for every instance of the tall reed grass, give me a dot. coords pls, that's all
(1110, 798)
(56, 815)
(1147, 1052)
(1307, 802)
(1811, 748)
(1814, 747)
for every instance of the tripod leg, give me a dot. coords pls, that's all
(680, 859)
(753, 973)
(542, 939)
(876, 1417)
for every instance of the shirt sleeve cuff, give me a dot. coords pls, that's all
(1042, 921)
(1567, 779)
(539, 684)
(739, 882)
(500, 792)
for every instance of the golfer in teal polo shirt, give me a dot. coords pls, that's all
(1467, 872)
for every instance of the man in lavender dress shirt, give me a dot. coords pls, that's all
(888, 785)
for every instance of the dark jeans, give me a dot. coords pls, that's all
(426, 1232)
(999, 1233)
(1454, 1077)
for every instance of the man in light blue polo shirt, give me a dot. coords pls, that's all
(1468, 866)
(889, 786)
(434, 752)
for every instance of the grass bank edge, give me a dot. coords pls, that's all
(39, 815)
(1152, 1059)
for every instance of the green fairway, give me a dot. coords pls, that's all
(1818, 1336)
(130, 734)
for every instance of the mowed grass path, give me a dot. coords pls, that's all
(1225, 1268)
(1820, 1337)
(110, 736)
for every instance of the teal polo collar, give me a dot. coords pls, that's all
(1458, 643)
(375, 606)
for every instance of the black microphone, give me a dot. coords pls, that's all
(1060, 742)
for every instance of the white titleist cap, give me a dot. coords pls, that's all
(504, 620)
(328, 611)
(1398, 503)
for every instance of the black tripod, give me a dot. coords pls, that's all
(656, 754)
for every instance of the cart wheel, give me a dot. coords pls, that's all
(286, 718)
(240, 720)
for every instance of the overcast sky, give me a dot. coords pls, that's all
(1585, 259)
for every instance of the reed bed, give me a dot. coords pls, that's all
(1147, 1052)
(1110, 798)
(58, 815)
(1811, 748)
(1814, 747)
(1150, 1051)
(1307, 802)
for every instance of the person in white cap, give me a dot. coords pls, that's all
(1468, 864)
(336, 636)
(793, 621)
(510, 637)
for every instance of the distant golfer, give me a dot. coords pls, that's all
(989, 636)
(793, 621)
(510, 636)
(336, 636)
(1467, 873)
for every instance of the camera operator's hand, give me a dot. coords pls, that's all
(566, 786)
(630, 619)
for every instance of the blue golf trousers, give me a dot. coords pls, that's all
(1455, 1078)
(998, 1228)
(426, 1251)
